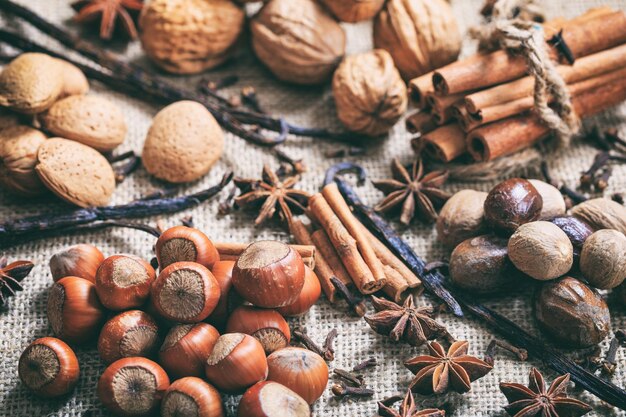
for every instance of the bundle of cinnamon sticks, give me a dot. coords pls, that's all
(348, 251)
(483, 105)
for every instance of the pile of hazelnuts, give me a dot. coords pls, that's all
(200, 319)
(521, 229)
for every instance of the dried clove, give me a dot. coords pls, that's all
(250, 99)
(609, 363)
(327, 352)
(227, 205)
(355, 302)
(490, 353)
(328, 348)
(291, 166)
(371, 362)
(562, 47)
(576, 197)
(216, 85)
(342, 390)
(349, 377)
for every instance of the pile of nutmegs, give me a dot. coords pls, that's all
(152, 329)
(520, 230)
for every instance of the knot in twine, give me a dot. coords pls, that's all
(527, 39)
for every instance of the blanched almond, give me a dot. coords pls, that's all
(18, 157)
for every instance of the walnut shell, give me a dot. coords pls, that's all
(183, 143)
(553, 201)
(369, 94)
(298, 41)
(603, 259)
(573, 314)
(461, 217)
(420, 35)
(31, 83)
(18, 157)
(190, 36)
(602, 213)
(354, 10)
(74, 81)
(75, 172)
(8, 119)
(542, 250)
(91, 120)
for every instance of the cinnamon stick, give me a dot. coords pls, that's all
(344, 244)
(420, 122)
(326, 249)
(445, 143)
(396, 286)
(338, 204)
(441, 106)
(323, 271)
(230, 251)
(419, 88)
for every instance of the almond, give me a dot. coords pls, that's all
(31, 83)
(183, 143)
(90, 120)
(18, 157)
(8, 119)
(74, 80)
(75, 172)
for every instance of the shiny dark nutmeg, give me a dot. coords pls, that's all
(571, 313)
(512, 203)
(576, 230)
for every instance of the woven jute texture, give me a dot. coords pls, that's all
(25, 319)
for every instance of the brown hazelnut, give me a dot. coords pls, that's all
(420, 35)
(512, 203)
(553, 201)
(309, 295)
(298, 41)
(185, 244)
(352, 11)
(186, 349)
(481, 265)
(576, 230)
(190, 36)
(271, 399)
(369, 94)
(131, 333)
(602, 213)
(541, 250)
(223, 273)
(303, 371)
(603, 259)
(18, 158)
(461, 217)
(191, 397)
(572, 313)
(80, 260)
(265, 325)
(123, 282)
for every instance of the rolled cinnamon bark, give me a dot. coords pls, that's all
(419, 87)
(445, 143)
(322, 269)
(396, 286)
(442, 106)
(327, 250)
(420, 122)
(230, 251)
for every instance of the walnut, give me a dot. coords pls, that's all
(369, 93)
(602, 213)
(190, 36)
(462, 217)
(603, 259)
(354, 10)
(420, 35)
(298, 40)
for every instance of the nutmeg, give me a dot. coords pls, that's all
(512, 203)
(461, 217)
(553, 201)
(352, 11)
(602, 213)
(481, 265)
(576, 230)
(420, 35)
(183, 143)
(369, 94)
(18, 158)
(298, 41)
(572, 313)
(542, 250)
(190, 36)
(603, 259)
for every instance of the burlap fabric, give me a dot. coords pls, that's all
(26, 320)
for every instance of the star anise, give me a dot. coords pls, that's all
(441, 372)
(535, 401)
(411, 192)
(109, 12)
(10, 277)
(271, 193)
(408, 409)
(412, 324)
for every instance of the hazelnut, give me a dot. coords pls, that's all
(352, 11)
(553, 201)
(131, 333)
(481, 265)
(512, 203)
(302, 370)
(461, 217)
(183, 143)
(185, 244)
(271, 399)
(369, 94)
(603, 259)
(420, 35)
(265, 325)
(541, 250)
(190, 36)
(18, 157)
(309, 295)
(80, 260)
(123, 282)
(576, 230)
(298, 40)
(223, 273)
(186, 349)
(572, 313)
(602, 213)
(191, 397)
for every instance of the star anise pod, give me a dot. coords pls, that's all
(408, 409)
(412, 324)
(270, 193)
(10, 277)
(441, 372)
(109, 13)
(412, 192)
(535, 401)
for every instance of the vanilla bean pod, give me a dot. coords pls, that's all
(31, 227)
(124, 170)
